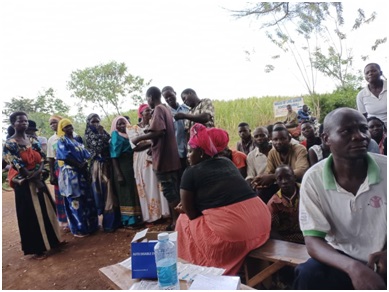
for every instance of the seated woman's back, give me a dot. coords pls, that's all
(216, 182)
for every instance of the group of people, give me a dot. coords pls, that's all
(327, 191)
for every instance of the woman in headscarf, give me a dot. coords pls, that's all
(35, 209)
(222, 218)
(152, 201)
(97, 143)
(122, 159)
(54, 172)
(73, 181)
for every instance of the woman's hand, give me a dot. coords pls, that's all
(179, 208)
(53, 181)
(100, 129)
(135, 141)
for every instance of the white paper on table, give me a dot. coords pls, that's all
(145, 285)
(188, 272)
(126, 263)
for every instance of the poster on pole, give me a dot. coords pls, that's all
(280, 106)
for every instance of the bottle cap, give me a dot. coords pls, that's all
(163, 236)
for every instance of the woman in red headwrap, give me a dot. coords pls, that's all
(222, 219)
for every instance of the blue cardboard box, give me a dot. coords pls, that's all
(142, 254)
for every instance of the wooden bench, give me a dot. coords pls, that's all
(279, 254)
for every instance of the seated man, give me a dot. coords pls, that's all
(291, 120)
(283, 152)
(257, 159)
(308, 131)
(284, 207)
(343, 210)
(246, 144)
(304, 114)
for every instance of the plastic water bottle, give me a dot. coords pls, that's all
(166, 261)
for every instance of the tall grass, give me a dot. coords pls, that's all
(259, 111)
(254, 111)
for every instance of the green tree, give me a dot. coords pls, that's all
(310, 33)
(106, 86)
(38, 109)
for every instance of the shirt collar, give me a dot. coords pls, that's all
(373, 172)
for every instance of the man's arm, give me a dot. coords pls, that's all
(301, 164)
(149, 135)
(200, 118)
(361, 275)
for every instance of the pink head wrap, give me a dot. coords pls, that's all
(141, 108)
(115, 121)
(211, 140)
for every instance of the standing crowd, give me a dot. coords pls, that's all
(326, 190)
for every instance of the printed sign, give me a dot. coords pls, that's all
(280, 106)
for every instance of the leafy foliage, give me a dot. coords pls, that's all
(38, 109)
(106, 86)
(311, 33)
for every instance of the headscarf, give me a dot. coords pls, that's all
(141, 108)
(55, 117)
(211, 140)
(113, 126)
(88, 119)
(62, 124)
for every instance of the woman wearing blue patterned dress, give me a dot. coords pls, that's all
(73, 181)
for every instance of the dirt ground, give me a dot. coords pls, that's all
(72, 267)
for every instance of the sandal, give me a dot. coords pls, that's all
(80, 235)
(40, 256)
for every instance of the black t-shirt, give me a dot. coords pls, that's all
(216, 182)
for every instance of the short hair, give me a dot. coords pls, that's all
(10, 131)
(285, 166)
(153, 92)
(321, 128)
(12, 117)
(166, 88)
(279, 129)
(375, 64)
(188, 91)
(306, 122)
(376, 119)
(270, 128)
(243, 124)
(264, 129)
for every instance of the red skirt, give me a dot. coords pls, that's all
(223, 236)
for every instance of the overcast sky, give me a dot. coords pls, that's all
(195, 44)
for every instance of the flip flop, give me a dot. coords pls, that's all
(39, 256)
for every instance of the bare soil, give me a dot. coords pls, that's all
(72, 267)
